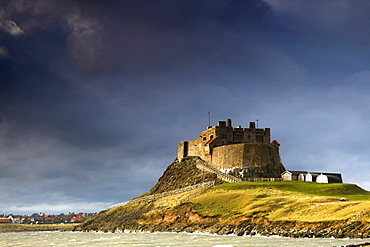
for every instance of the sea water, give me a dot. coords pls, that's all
(159, 240)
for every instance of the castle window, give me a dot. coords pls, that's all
(223, 136)
(211, 137)
(204, 138)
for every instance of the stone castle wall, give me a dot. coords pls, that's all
(226, 147)
(258, 159)
(192, 148)
(221, 135)
(228, 156)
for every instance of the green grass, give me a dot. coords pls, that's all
(286, 200)
(349, 191)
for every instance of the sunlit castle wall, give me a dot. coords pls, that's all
(259, 160)
(226, 147)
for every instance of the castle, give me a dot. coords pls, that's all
(247, 153)
(248, 150)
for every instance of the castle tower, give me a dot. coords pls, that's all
(226, 147)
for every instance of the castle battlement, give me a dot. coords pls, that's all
(220, 135)
(248, 150)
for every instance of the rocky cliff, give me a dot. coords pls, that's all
(181, 174)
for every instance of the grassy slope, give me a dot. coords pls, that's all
(286, 201)
(281, 202)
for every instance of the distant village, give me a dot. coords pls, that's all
(42, 218)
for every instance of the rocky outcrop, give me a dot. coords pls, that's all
(181, 174)
(182, 218)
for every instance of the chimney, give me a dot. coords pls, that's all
(252, 125)
(221, 123)
(228, 123)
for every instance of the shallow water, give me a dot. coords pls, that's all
(158, 240)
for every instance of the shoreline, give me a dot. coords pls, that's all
(245, 227)
(36, 227)
(190, 229)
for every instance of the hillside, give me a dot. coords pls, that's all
(285, 208)
(286, 201)
(181, 174)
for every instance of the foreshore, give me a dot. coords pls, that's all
(248, 227)
(8, 228)
(36, 227)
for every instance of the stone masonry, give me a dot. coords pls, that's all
(249, 150)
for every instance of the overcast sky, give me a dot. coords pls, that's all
(95, 95)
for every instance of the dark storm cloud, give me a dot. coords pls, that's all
(147, 37)
(190, 39)
(40, 100)
(144, 37)
(325, 37)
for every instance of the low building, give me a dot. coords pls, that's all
(5, 221)
(76, 219)
(319, 177)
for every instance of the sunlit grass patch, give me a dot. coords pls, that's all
(286, 200)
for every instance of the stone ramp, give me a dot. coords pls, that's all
(204, 166)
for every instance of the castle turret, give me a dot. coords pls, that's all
(226, 147)
(228, 123)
